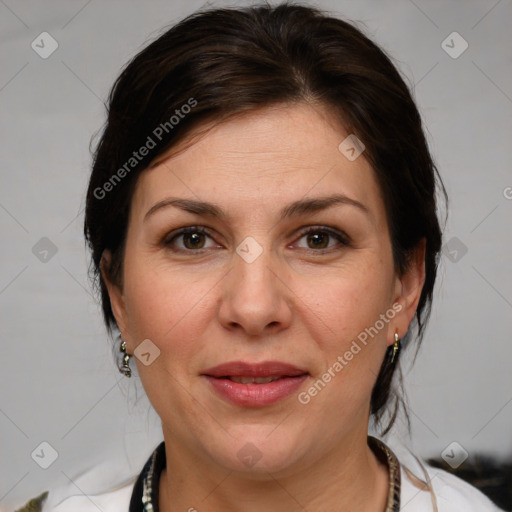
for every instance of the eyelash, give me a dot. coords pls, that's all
(341, 237)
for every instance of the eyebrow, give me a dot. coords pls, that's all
(295, 209)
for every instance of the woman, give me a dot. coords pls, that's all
(263, 225)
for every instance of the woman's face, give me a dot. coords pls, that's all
(248, 284)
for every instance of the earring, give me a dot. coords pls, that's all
(125, 368)
(396, 348)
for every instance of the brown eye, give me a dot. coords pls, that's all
(193, 240)
(318, 240)
(322, 239)
(189, 239)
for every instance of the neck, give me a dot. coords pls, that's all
(349, 477)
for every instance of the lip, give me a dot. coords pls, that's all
(262, 369)
(255, 395)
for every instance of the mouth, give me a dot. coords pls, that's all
(255, 384)
(251, 380)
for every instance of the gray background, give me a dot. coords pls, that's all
(58, 380)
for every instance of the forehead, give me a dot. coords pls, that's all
(265, 158)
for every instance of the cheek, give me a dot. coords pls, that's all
(354, 342)
(352, 299)
(165, 306)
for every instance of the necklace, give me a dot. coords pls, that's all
(145, 492)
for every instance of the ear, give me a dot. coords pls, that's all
(115, 291)
(408, 288)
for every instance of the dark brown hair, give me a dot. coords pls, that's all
(223, 62)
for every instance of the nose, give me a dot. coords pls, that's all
(255, 296)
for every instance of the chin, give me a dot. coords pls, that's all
(260, 449)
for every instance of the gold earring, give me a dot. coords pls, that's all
(396, 347)
(125, 367)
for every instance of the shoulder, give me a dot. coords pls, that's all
(111, 501)
(107, 487)
(423, 490)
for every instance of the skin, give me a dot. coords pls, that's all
(294, 303)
